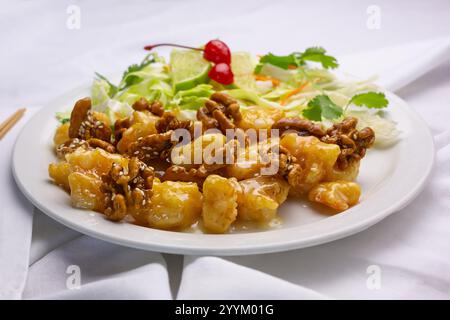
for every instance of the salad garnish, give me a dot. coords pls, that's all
(301, 83)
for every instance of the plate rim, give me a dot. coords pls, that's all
(244, 249)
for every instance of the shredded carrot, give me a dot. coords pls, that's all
(289, 94)
(292, 66)
(260, 77)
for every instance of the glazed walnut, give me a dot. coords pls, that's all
(220, 112)
(97, 143)
(127, 191)
(352, 142)
(71, 145)
(169, 121)
(142, 106)
(120, 126)
(196, 174)
(86, 124)
(155, 107)
(302, 127)
(154, 146)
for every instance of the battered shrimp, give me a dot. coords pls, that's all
(220, 201)
(339, 195)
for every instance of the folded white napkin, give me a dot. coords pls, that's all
(410, 248)
(399, 65)
(15, 219)
(90, 269)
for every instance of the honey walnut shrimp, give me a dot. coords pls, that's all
(312, 161)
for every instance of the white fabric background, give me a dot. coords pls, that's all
(40, 58)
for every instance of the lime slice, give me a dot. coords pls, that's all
(188, 69)
(243, 64)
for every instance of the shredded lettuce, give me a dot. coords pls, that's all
(193, 98)
(102, 102)
(151, 71)
(153, 84)
(149, 79)
(99, 94)
(151, 90)
(138, 72)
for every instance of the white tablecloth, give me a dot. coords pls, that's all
(41, 58)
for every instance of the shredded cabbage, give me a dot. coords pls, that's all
(251, 96)
(386, 132)
(277, 72)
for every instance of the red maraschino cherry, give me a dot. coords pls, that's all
(215, 51)
(221, 73)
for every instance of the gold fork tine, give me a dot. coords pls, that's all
(6, 125)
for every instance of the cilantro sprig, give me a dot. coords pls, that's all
(297, 59)
(372, 100)
(318, 54)
(322, 107)
(280, 61)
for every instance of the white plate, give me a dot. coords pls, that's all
(389, 179)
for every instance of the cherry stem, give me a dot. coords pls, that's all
(150, 47)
